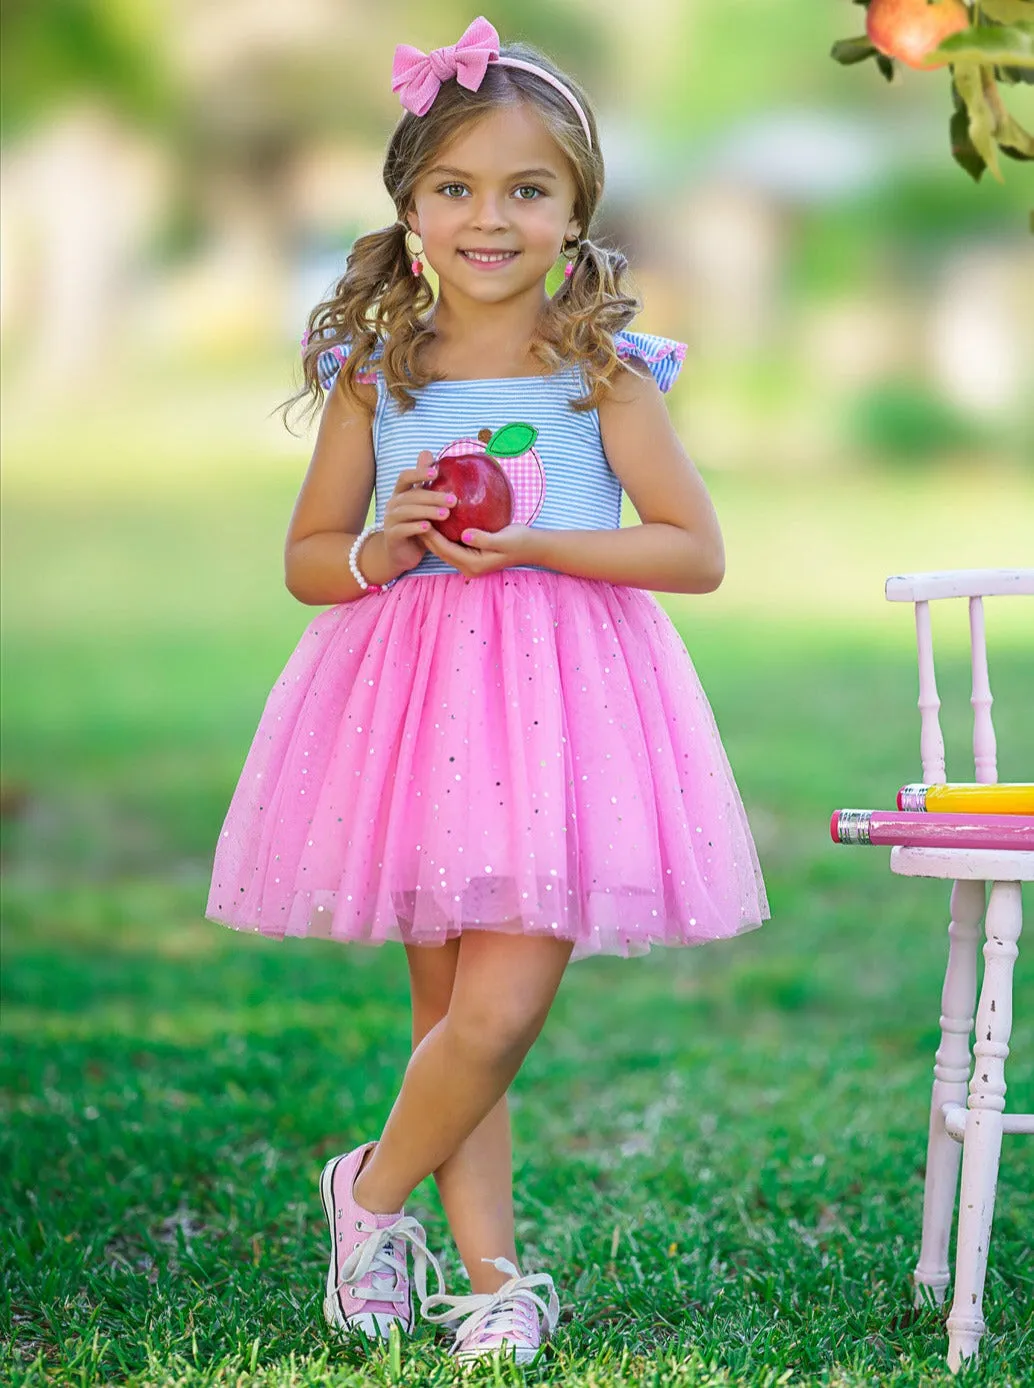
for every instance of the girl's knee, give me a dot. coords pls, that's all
(505, 986)
(499, 1032)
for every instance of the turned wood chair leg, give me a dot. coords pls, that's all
(983, 1140)
(951, 1076)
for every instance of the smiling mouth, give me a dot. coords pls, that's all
(477, 257)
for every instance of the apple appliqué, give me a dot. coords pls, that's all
(911, 29)
(497, 479)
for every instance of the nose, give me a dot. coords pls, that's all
(488, 213)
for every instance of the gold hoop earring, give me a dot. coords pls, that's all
(416, 266)
(572, 250)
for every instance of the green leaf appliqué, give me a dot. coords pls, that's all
(511, 440)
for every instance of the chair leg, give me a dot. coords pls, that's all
(951, 1075)
(983, 1141)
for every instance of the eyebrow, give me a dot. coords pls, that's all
(521, 173)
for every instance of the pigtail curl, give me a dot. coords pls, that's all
(582, 317)
(378, 300)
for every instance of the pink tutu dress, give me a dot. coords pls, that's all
(528, 752)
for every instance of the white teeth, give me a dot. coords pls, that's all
(489, 259)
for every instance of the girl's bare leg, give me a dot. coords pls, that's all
(503, 987)
(475, 1184)
(476, 1189)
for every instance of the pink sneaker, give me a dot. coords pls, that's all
(513, 1320)
(367, 1283)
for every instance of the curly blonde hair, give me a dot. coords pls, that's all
(378, 304)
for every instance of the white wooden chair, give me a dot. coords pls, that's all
(974, 1124)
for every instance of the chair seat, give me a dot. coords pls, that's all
(968, 864)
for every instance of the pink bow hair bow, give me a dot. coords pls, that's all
(417, 77)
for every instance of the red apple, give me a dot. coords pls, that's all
(911, 29)
(484, 496)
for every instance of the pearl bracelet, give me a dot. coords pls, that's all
(353, 565)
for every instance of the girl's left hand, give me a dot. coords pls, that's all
(488, 550)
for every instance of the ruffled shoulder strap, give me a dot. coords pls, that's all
(663, 355)
(328, 364)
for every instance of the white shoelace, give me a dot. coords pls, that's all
(378, 1254)
(496, 1312)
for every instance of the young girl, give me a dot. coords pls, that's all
(495, 751)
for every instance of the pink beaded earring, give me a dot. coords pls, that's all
(572, 250)
(416, 267)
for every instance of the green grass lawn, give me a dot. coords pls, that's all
(719, 1152)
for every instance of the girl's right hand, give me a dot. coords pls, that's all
(410, 510)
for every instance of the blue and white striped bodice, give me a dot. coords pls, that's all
(581, 491)
(563, 483)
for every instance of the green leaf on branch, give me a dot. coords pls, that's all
(1008, 11)
(969, 80)
(1007, 45)
(1012, 138)
(856, 50)
(1012, 75)
(963, 151)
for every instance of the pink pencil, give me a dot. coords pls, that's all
(892, 827)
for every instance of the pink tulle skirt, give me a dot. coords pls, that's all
(527, 752)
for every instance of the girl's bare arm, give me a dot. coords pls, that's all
(678, 548)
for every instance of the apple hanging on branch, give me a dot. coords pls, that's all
(983, 42)
(910, 30)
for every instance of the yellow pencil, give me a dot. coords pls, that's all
(1007, 798)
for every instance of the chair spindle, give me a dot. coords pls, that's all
(985, 750)
(931, 740)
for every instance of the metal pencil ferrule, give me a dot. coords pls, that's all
(853, 826)
(912, 797)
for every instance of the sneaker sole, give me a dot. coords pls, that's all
(518, 1356)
